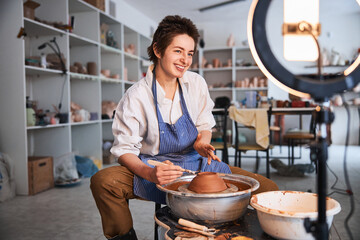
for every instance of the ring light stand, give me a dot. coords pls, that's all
(320, 88)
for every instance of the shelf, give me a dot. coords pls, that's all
(49, 86)
(240, 68)
(330, 66)
(83, 76)
(131, 56)
(84, 123)
(80, 6)
(110, 80)
(76, 40)
(220, 89)
(242, 48)
(217, 49)
(31, 70)
(129, 82)
(108, 49)
(34, 29)
(108, 19)
(217, 69)
(107, 120)
(252, 89)
(47, 126)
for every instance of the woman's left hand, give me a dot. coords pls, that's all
(205, 149)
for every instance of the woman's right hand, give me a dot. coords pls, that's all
(164, 174)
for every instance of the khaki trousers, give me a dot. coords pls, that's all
(113, 186)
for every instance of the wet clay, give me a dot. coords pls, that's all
(241, 186)
(175, 186)
(207, 182)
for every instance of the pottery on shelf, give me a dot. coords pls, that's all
(230, 41)
(207, 182)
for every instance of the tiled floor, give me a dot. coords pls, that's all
(70, 213)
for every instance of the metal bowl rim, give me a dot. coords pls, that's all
(234, 177)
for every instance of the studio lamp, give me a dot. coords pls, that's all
(64, 70)
(300, 30)
(56, 51)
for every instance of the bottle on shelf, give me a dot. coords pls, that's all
(30, 113)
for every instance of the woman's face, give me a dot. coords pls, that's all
(177, 57)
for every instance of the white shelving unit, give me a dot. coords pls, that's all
(221, 80)
(49, 87)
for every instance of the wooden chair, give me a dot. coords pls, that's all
(299, 138)
(220, 138)
(275, 130)
(241, 147)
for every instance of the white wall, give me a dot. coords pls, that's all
(132, 18)
(216, 33)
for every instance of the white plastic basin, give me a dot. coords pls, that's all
(281, 213)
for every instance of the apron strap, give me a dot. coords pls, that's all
(182, 100)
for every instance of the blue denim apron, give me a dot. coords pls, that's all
(176, 145)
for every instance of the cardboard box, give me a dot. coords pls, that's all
(100, 4)
(41, 174)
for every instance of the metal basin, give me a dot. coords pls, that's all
(212, 208)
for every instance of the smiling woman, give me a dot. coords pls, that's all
(174, 62)
(166, 116)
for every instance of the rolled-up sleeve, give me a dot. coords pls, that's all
(205, 119)
(126, 129)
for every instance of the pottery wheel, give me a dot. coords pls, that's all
(232, 188)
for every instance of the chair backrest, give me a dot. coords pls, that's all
(221, 116)
(242, 129)
(222, 102)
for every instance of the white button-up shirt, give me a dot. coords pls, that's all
(135, 126)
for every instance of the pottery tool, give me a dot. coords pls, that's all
(157, 163)
(190, 224)
(196, 231)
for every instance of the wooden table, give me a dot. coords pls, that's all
(283, 111)
(293, 111)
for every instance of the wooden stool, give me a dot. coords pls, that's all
(297, 137)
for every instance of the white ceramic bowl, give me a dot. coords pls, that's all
(281, 213)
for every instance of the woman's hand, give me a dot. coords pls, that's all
(205, 149)
(164, 174)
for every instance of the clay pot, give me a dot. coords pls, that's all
(105, 72)
(73, 69)
(78, 65)
(92, 68)
(116, 76)
(216, 62)
(207, 182)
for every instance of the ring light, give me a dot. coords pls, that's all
(302, 86)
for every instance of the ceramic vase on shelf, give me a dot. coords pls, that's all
(230, 41)
(30, 113)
